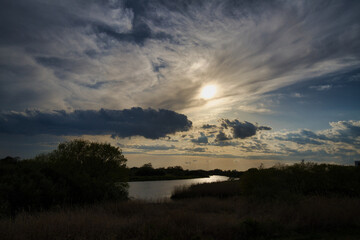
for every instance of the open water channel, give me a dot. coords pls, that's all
(158, 190)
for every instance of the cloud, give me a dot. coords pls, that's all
(264, 128)
(221, 136)
(255, 146)
(302, 137)
(297, 95)
(242, 130)
(151, 147)
(200, 140)
(321, 87)
(198, 149)
(149, 123)
(115, 54)
(254, 109)
(340, 132)
(207, 126)
(89, 54)
(343, 131)
(224, 143)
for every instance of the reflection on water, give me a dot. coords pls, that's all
(154, 190)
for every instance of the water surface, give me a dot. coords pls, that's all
(155, 190)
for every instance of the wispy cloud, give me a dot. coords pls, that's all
(321, 87)
(120, 54)
(147, 148)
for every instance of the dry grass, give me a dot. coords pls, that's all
(204, 218)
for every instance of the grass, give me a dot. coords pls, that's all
(199, 218)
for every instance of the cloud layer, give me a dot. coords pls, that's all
(149, 123)
(347, 132)
(78, 54)
(292, 64)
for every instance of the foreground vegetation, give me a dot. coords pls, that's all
(283, 183)
(198, 218)
(79, 192)
(76, 173)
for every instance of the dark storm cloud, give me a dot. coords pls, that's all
(242, 129)
(148, 123)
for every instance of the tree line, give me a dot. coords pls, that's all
(148, 173)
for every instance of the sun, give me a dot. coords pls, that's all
(208, 92)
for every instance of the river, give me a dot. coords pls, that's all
(157, 190)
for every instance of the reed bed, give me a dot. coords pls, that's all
(200, 218)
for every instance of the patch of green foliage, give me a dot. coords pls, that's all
(77, 172)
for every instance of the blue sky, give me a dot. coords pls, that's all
(286, 76)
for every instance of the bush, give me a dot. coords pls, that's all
(308, 179)
(77, 172)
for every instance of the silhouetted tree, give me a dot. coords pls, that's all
(89, 170)
(77, 172)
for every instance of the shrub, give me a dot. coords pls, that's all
(301, 179)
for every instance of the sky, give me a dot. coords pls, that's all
(200, 84)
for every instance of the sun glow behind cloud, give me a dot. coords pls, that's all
(208, 92)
